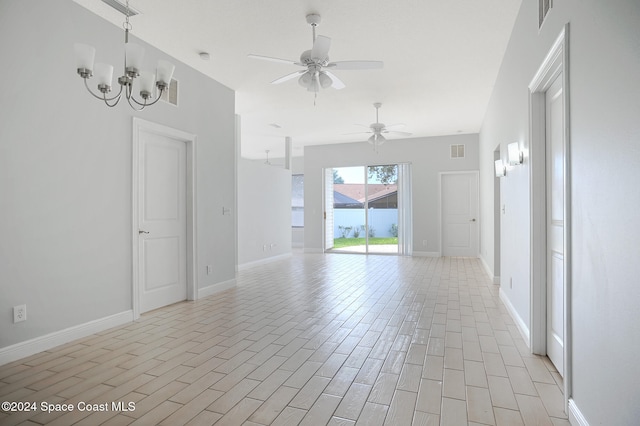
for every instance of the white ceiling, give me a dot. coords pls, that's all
(441, 59)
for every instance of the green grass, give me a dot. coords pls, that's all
(350, 242)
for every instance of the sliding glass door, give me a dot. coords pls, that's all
(367, 210)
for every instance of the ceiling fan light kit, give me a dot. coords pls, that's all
(315, 75)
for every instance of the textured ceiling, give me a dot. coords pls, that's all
(441, 59)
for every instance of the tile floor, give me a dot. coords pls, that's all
(334, 339)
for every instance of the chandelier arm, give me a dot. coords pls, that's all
(104, 96)
(145, 103)
(106, 101)
(133, 106)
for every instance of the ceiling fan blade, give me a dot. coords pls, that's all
(270, 59)
(356, 133)
(336, 82)
(288, 77)
(356, 65)
(321, 47)
(395, 126)
(395, 132)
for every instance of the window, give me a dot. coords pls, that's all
(297, 201)
(543, 10)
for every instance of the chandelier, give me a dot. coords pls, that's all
(134, 54)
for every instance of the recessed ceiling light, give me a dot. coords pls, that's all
(205, 56)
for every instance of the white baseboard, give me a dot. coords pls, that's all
(266, 260)
(575, 415)
(216, 288)
(522, 327)
(426, 254)
(313, 250)
(57, 338)
(488, 270)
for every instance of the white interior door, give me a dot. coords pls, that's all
(162, 243)
(555, 223)
(459, 212)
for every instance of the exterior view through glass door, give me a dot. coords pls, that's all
(365, 209)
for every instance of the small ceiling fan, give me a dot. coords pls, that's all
(377, 129)
(316, 73)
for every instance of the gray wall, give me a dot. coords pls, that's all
(428, 157)
(65, 172)
(604, 46)
(264, 212)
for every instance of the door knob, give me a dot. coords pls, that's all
(473, 220)
(142, 232)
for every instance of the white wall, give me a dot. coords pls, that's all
(264, 212)
(428, 157)
(65, 172)
(604, 46)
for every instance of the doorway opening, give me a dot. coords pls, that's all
(367, 211)
(163, 217)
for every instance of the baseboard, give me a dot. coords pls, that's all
(488, 270)
(264, 261)
(313, 250)
(57, 338)
(216, 288)
(522, 327)
(575, 415)
(426, 254)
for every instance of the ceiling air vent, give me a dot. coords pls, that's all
(121, 7)
(543, 10)
(457, 151)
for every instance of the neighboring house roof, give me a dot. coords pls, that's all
(356, 190)
(341, 200)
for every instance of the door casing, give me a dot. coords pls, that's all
(555, 63)
(140, 126)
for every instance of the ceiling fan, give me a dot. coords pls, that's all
(317, 67)
(377, 129)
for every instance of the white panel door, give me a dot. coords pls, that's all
(162, 221)
(555, 223)
(459, 211)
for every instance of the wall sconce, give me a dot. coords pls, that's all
(514, 153)
(501, 169)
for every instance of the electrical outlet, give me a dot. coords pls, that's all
(209, 269)
(19, 313)
(424, 243)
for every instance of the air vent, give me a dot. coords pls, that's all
(171, 95)
(457, 151)
(121, 7)
(543, 10)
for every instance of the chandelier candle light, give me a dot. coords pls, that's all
(134, 53)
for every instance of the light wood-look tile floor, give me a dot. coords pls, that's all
(332, 339)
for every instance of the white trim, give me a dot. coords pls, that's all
(426, 254)
(556, 62)
(264, 261)
(488, 270)
(522, 326)
(57, 338)
(216, 288)
(575, 415)
(191, 199)
(313, 250)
